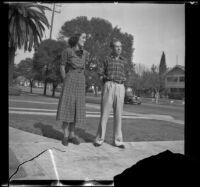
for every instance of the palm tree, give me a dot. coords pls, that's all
(26, 26)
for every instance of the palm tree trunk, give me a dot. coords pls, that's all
(11, 53)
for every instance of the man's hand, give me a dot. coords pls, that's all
(101, 77)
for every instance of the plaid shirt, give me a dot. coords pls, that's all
(114, 69)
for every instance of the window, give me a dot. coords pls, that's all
(182, 79)
(177, 90)
(174, 90)
(172, 79)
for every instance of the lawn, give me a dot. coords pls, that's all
(133, 129)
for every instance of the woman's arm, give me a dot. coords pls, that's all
(62, 71)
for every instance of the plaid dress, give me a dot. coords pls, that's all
(71, 106)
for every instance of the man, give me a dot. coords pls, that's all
(113, 73)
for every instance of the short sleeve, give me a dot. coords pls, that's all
(64, 57)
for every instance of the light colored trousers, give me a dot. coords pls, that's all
(112, 97)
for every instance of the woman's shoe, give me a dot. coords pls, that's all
(74, 140)
(65, 141)
(122, 146)
(97, 144)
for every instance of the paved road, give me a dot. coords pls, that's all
(130, 111)
(178, 112)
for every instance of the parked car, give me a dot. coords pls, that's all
(132, 100)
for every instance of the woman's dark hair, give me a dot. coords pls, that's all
(73, 40)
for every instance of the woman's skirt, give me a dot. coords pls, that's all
(71, 106)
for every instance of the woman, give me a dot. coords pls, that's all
(71, 106)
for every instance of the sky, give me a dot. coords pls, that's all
(155, 28)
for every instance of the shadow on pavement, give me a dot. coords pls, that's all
(84, 135)
(48, 131)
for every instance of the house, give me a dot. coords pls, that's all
(175, 82)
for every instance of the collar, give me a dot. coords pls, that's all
(75, 49)
(113, 57)
(78, 52)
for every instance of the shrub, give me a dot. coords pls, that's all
(14, 90)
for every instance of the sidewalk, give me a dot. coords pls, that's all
(79, 162)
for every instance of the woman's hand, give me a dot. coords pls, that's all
(62, 71)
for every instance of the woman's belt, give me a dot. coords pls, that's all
(78, 70)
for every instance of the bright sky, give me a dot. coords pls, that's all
(155, 28)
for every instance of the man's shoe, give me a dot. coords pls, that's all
(97, 144)
(74, 140)
(120, 146)
(65, 141)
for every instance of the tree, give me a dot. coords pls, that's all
(25, 29)
(162, 71)
(47, 62)
(16, 73)
(101, 32)
(135, 82)
(155, 84)
(137, 78)
(25, 68)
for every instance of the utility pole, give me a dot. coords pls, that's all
(176, 59)
(51, 28)
(52, 17)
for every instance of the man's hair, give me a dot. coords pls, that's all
(73, 40)
(113, 41)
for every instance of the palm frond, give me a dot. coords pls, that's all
(39, 16)
(42, 8)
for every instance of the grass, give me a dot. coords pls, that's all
(133, 130)
(14, 90)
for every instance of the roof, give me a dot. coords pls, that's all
(177, 66)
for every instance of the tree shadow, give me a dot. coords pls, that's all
(48, 131)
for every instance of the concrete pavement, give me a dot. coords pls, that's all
(82, 162)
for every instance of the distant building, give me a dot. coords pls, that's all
(175, 82)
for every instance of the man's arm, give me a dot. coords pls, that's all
(102, 69)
